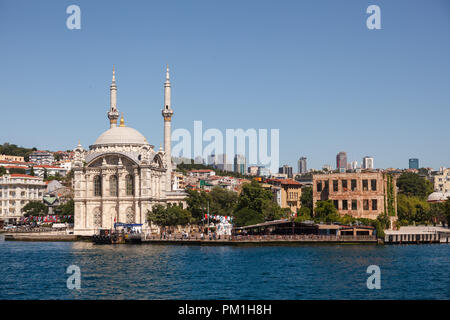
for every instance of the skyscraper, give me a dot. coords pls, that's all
(367, 163)
(414, 163)
(341, 160)
(286, 170)
(223, 163)
(302, 165)
(240, 164)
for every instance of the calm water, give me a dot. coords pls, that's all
(37, 270)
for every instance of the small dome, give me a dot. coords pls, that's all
(438, 196)
(121, 135)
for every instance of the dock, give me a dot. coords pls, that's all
(417, 235)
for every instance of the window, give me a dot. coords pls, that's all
(374, 204)
(354, 205)
(336, 204)
(326, 185)
(319, 186)
(353, 184)
(113, 186)
(335, 186)
(373, 184)
(365, 185)
(97, 186)
(344, 205)
(344, 185)
(129, 181)
(365, 204)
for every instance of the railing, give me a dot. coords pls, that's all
(312, 237)
(192, 237)
(33, 230)
(305, 237)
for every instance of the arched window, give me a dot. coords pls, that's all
(97, 186)
(130, 185)
(113, 186)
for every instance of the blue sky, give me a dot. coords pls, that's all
(309, 68)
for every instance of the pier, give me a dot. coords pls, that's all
(417, 235)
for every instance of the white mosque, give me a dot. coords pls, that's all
(121, 176)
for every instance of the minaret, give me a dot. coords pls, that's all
(113, 114)
(167, 113)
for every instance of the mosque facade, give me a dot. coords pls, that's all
(121, 176)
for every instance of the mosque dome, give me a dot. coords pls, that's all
(121, 135)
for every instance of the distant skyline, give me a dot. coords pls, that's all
(309, 68)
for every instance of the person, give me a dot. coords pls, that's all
(201, 236)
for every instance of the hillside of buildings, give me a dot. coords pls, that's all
(37, 183)
(14, 150)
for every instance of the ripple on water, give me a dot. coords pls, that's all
(38, 271)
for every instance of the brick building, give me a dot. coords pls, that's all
(361, 195)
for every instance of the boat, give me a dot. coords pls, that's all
(121, 234)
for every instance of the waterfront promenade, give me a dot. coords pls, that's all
(196, 240)
(406, 235)
(264, 240)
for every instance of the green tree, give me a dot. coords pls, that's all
(35, 208)
(246, 217)
(303, 214)
(222, 202)
(412, 185)
(259, 200)
(325, 211)
(307, 198)
(14, 150)
(68, 208)
(446, 210)
(171, 215)
(271, 210)
(197, 202)
(413, 210)
(253, 197)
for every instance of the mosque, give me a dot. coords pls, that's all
(122, 176)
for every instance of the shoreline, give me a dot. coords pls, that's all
(194, 242)
(197, 242)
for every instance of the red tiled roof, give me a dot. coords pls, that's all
(19, 175)
(15, 162)
(285, 181)
(202, 170)
(15, 167)
(47, 166)
(290, 181)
